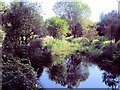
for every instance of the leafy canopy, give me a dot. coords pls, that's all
(56, 27)
(72, 12)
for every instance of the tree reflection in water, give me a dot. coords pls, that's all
(110, 79)
(75, 69)
(109, 61)
(111, 74)
(111, 66)
(69, 74)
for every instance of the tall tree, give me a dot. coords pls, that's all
(109, 25)
(72, 12)
(21, 22)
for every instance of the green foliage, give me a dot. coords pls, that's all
(75, 10)
(21, 22)
(74, 13)
(81, 40)
(98, 39)
(56, 27)
(90, 33)
(95, 46)
(109, 25)
(60, 49)
(3, 7)
(39, 55)
(86, 23)
(18, 76)
(2, 36)
(112, 52)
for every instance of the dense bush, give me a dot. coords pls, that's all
(90, 33)
(39, 56)
(18, 76)
(81, 40)
(21, 22)
(109, 25)
(112, 52)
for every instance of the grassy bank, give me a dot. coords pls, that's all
(60, 48)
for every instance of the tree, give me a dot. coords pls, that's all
(69, 74)
(21, 21)
(72, 12)
(56, 27)
(109, 25)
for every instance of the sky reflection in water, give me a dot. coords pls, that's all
(94, 80)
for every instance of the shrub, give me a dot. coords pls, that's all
(90, 34)
(18, 76)
(39, 56)
(112, 52)
(81, 40)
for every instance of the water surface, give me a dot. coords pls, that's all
(75, 72)
(94, 80)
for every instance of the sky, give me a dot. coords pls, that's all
(99, 6)
(96, 6)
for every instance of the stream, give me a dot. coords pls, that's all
(94, 80)
(77, 73)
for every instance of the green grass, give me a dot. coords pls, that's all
(60, 48)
